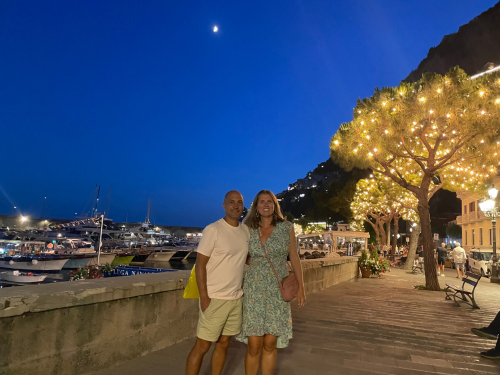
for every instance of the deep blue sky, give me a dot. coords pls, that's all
(144, 96)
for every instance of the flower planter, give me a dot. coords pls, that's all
(365, 272)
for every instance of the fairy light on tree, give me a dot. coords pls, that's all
(378, 201)
(440, 130)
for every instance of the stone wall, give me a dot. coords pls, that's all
(76, 328)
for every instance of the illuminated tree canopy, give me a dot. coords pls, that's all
(442, 131)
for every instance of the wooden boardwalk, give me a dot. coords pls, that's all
(367, 326)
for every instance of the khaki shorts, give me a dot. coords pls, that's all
(222, 317)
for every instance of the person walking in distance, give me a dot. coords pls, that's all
(220, 265)
(459, 258)
(441, 258)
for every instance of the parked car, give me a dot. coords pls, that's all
(480, 261)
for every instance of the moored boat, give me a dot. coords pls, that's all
(33, 263)
(104, 258)
(19, 277)
(123, 258)
(161, 255)
(78, 261)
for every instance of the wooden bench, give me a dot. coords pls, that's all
(462, 294)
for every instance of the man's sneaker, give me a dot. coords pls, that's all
(484, 332)
(443, 275)
(491, 354)
(439, 273)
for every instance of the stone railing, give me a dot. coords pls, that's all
(78, 327)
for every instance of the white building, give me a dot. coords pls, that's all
(476, 227)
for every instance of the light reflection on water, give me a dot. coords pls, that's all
(63, 275)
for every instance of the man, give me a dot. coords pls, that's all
(459, 258)
(491, 332)
(220, 263)
(442, 254)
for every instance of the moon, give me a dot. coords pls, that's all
(216, 29)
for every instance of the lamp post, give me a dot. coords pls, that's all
(490, 210)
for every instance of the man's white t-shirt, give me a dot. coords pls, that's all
(459, 255)
(227, 247)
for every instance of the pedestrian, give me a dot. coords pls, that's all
(459, 258)
(220, 264)
(491, 332)
(384, 249)
(267, 318)
(442, 254)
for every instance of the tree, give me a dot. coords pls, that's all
(454, 231)
(379, 200)
(289, 216)
(440, 129)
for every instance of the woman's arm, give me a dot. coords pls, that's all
(297, 269)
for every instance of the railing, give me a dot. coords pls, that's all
(460, 220)
(472, 216)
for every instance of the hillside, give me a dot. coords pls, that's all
(475, 47)
(472, 47)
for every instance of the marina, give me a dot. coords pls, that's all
(55, 253)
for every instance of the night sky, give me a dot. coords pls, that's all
(144, 96)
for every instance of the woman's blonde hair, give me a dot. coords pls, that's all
(253, 221)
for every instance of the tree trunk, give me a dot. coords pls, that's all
(415, 233)
(431, 280)
(396, 230)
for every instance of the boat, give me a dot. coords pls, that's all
(141, 256)
(78, 261)
(33, 263)
(122, 258)
(104, 258)
(18, 277)
(161, 255)
(182, 255)
(131, 270)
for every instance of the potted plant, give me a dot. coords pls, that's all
(364, 264)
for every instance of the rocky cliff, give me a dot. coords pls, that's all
(473, 47)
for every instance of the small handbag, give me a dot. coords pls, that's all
(289, 288)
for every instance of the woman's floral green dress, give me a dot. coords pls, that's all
(264, 311)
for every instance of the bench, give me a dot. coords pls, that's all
(461, 293)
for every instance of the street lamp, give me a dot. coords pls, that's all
(490, 210)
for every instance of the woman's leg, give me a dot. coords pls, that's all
(252, 358)
(269, 354)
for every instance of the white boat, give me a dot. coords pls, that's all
(34, 263)
(161, 255)
(17, 277)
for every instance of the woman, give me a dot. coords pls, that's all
(267, 318)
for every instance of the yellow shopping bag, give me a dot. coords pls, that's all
(191, 290)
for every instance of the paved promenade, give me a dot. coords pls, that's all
(367, 326)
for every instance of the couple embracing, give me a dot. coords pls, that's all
(254, 310)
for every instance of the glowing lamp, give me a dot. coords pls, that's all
(487, 205)
(493, 192)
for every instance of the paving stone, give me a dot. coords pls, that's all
(364, 327)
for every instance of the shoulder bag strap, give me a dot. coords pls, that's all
(267, 257)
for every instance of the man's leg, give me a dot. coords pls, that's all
(195, 358)
(457, 266)
(463, 270)
(219, 355)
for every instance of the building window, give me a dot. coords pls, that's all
(465, 209)
(473, 237)
(472, 206)
(481, 236)
(466, 242)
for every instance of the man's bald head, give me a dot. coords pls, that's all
(231, 194)
(233, 205)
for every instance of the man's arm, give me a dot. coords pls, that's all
(201, 280)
